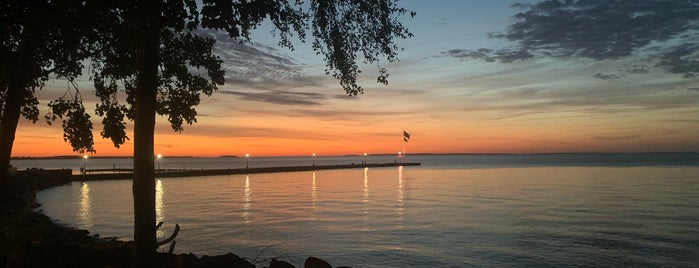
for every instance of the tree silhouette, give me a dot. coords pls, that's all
(39, 39)
(154, 59)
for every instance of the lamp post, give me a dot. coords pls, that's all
(365, 159)
(85, 164)
(314, 159)
(247, 160)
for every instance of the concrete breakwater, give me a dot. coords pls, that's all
(121, 174)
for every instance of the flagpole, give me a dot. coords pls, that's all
(402, 160)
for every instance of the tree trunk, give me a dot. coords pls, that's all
(144, 170)
(8, 126)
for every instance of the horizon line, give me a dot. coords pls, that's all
(340, 155)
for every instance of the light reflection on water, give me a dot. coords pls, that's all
(366, 194)
(247, 202)
(159, 207)
(314, 198)
(401, 204)
(85, 207)
(412, 217)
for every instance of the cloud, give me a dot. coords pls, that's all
(683, 59)
(665, 31)
(272, 132)
(250, 63)
(280, 97)
(606, 76)
(511, 95)
(637, 70)
(350, 115)
(489, 55)
(618, 138)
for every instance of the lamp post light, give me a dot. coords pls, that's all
(85, 164)
(314, 159)
(159, 157)
(247, 160)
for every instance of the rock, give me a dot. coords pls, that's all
(280, 264)
(227, 260)
(313, 262)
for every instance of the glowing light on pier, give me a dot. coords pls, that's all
(159, 156)
(84, 171)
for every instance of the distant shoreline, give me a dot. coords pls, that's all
(382, 154)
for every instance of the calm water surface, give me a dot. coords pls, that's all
(444, 214)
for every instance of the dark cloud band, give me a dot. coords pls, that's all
(665, 30)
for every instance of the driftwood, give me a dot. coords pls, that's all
(172, 247)
(169, 239)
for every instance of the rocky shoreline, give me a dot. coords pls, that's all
(29, 238)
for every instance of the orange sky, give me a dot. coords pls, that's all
(279, 102)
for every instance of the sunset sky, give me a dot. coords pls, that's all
(449, 95)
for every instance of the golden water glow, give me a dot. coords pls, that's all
(159, 206)
(366, 196)
(247, 200)
(366, 185)
(85, 206)
(401, 197)
(314, 197)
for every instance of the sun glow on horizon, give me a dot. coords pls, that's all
(448, 101)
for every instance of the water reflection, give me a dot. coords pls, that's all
(314, 197)
(366, 197)
(247, 202)
(159, 210)
(401, 195)
(85, 206)
(366, 187)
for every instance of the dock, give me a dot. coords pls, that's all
(124, 174)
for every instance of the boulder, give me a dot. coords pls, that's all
(226, 260)
(280, 264)
(313, 262)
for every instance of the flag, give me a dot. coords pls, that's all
(406, 136)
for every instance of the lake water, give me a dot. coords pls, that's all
(557, 210)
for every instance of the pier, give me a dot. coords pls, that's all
(123, 174)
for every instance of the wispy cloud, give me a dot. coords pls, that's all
(282, 97)
(606, 76)
(245, 62)
(618, 137)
